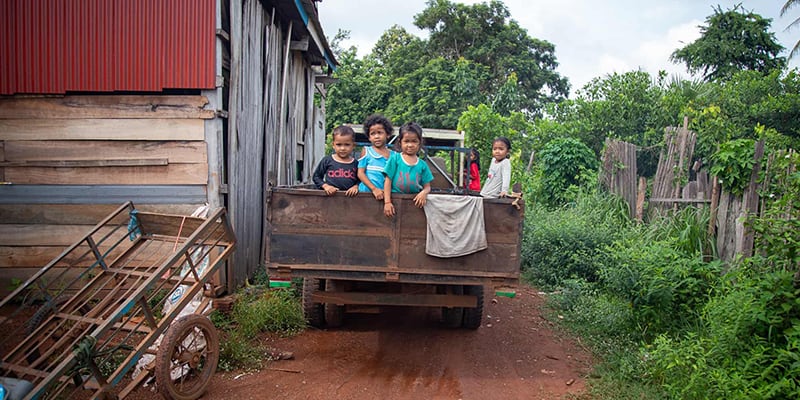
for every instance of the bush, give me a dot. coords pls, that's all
(665, 287)
(565, 166)
(562, 244)
(748, 347)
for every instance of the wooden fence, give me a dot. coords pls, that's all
(680, 181)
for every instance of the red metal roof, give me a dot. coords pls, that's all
(55, 46)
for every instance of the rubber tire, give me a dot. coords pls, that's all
(171, 349)
(46, 310)
(473, 316)
(334, 313)
(40, 316)
(453, 317)
(312, 311)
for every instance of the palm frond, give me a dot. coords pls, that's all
(789, 4)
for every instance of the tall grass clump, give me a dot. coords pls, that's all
(254, 312)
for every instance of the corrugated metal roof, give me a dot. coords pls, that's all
(56, 46)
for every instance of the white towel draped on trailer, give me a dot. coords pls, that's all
(455, 225)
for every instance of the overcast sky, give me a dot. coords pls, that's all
(592, 38)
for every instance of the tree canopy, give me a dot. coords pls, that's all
(732, 41)
(474, 55)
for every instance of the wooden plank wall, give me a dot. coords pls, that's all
(734, 234)
(246, 131)
(619, 171)
(47, 143)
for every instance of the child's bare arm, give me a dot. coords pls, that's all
(376, 191)
(422, 197)
(388, 207)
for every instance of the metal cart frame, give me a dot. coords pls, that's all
(86, 318)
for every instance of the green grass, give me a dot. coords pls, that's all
(257, 310)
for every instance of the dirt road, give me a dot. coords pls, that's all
(406, 354)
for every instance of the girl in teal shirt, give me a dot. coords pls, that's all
(405, 172)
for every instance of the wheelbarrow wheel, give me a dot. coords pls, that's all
(187, 357)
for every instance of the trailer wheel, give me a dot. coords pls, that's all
(473, 316)
(187, 357)
(39, 317)
(452, 317)
(312, 311)
(334, 313)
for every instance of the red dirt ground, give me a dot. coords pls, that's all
(405, 353)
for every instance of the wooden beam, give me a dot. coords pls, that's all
(78, 214)
(103, 194)
(102, 129)
(43, 235)
(87, 163)
(394, 299)
(88, 107)
(172, 174)
(299, 45)
(660, 200)
(175, 152)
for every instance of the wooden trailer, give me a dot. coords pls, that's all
(349, 254)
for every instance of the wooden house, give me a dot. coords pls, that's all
(171, 104)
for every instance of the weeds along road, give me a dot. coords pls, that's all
(405, 353)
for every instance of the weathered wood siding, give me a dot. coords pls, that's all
(66, 162)
(272, 135)
(307, 237)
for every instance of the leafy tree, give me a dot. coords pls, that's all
(361, 90)
(732, 41)
(436, 94)
(481, 125)
(748, 106)
(399, 52)
(484, 34)
(789, 4)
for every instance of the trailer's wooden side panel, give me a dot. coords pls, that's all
(351, 238)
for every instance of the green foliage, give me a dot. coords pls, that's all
(565, 166)
(748, 346)
(563, 244)
(436, 94)
(663, 286)
(732, 41)
(733, 164)
(750, 105)
(362, 89)
(255, 312)
(687, 229)
(484, 33)
(276, 311)
(778, 231)
(474, 54)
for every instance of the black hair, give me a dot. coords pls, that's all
(505, 141)
(378, 119)
(477, 157)
(410, 127)
(344, 130)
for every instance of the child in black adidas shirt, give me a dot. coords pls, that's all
(339, 171)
